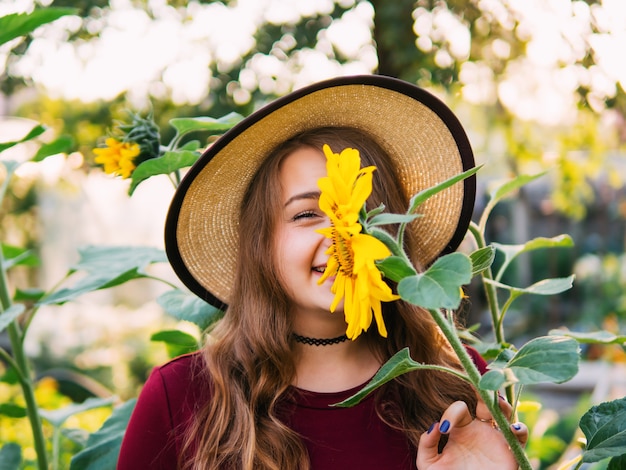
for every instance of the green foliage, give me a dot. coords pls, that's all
(440, 286)
(106, 267)
(605, 429)
(545, 359)
(10, 457)
(103, 446)
(20, 24)
(183, 305)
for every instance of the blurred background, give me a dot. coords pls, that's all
(539, 85)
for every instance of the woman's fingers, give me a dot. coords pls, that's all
(483, 413)
(521, 432)
(456, 416)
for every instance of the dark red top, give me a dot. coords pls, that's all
(336, 438)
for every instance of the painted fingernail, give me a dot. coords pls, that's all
(430, 429)
(516, 426)
(445, 425)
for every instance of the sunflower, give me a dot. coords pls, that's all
(117, 158)
(352, 253)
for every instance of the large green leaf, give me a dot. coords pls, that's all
(61, 145)
(107, 267)
(604, 427)
(206, 124)
(440, 286)
(164, 165)
(103, 446)
(10, 456)
(9, 315)
(33, 133)
(58, 416)
(20, 24)
(185, 306)
(545, 359)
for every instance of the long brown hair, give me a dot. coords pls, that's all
(249, 358)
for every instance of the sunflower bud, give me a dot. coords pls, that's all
(145, 133)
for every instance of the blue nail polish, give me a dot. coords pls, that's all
(430, 429)
(444, 426)
(517, 426)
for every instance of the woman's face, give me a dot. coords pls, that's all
(300, 251)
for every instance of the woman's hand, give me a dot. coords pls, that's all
(472, 443)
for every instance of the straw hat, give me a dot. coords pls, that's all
(420, 133)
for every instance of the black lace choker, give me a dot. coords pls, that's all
(319, 341)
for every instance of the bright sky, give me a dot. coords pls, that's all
(169, 54)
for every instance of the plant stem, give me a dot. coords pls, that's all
(486, 396)
(497, 320)
(490, 290)
(23, 369)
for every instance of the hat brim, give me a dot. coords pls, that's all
(421, 134)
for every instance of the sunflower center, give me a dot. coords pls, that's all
(343, 254)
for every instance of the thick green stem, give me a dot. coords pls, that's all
(486, 396)
(22, 364)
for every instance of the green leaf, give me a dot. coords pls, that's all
(13, 411)
(482, 259)
(545, 287)
(33, 133)
(10, 456)
(103, 446)
(58, 416)
(400, 363)
(422, 196)
(187, 124)
(492, 380)
(177, 342)
(389, 219)
(617, 463)
(395, 268)
(19, 24)
(544, 359)
(604, 427)
(595, 337)
(192, 146)
(78, 436)
(107, 267)
(16, 256)
(440, 285)
(28, 295)
(505, 189)
(185, 306)
(165, 165)
(10, 314)
(61, 145)
(512, 251)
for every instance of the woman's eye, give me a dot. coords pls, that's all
(304, 215)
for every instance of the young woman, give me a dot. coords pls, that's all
(243, 233)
